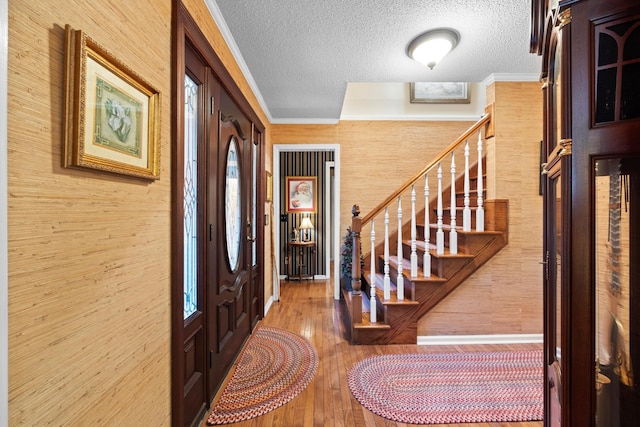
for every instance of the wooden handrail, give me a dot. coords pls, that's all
(462, 138)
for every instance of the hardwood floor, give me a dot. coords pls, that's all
(308, 308)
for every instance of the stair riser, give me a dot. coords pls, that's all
(441, 267)
(446, 219)
(409, 290)
(467, 244)
(408, 335)
(473, 199)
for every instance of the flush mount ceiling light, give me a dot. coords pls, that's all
(430, 47)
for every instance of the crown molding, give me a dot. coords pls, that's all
(413, 118)
(237, 55)
(511, 77)
(299, 121)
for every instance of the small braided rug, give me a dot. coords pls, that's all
(274, 367)
(449, 388)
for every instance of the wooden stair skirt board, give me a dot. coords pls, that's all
(397, 321)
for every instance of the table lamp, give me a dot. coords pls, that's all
(306, 226)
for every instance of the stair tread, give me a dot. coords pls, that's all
(406, 266)
(472, 193)
(447, 209)
(379, 284)
(366, 314)
(367, 324)
(459, 229)
(432, 247)
(365, 304)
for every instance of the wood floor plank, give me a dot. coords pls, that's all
(308, 308)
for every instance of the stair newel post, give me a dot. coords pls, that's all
(480, 210)
(453, 234)
(414, 255)
(356, 227)
(387, 280)
(372, 280)
(400, 277)
(439, 232)
(426, 259)
(466, 213)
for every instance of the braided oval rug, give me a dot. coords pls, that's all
(274, 367)
(449, 388)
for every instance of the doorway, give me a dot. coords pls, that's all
(332, 233)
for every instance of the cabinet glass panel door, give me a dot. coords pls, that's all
(617, 288)
(557, 195)
(553, 266)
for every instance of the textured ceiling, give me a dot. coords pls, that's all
(301, 54)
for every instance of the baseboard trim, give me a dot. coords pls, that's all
(268, 305)
(480, 339)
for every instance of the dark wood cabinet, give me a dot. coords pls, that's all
(591, 88)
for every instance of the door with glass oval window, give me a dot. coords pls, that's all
(228, 284)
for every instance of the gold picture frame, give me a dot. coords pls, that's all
(111, 113)
(269, 183)
(301, 194)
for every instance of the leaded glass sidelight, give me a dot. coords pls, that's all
(190, 207)
(254, 205)
(232, 204)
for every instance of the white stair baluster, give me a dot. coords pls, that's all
(439, 232)
(453, 234)
(400, 277)
(480, 210)
(426, 259)
(372, 281)
(386, 284)
(414, 255)
(466, 213)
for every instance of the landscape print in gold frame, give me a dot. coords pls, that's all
(111, 114)
(439, 93)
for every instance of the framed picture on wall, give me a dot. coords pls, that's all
(440, 93)
(301, 194)
(111, 113)
(269, 184)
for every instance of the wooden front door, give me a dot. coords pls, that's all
(231, 237)
(218, 242)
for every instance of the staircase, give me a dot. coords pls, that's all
(396, 289)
